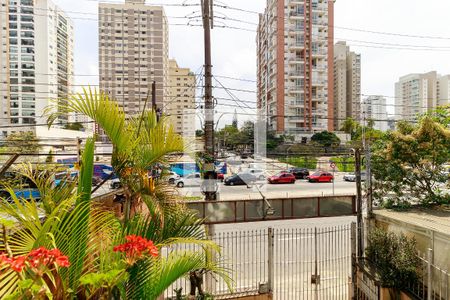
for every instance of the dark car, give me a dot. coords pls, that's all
(299, 173)
(240, 179)
(283, 177)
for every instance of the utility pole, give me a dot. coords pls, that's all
(209, 167)
(79, 151)
(359, 219)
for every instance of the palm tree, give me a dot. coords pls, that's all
(87, 233)
(140, 142)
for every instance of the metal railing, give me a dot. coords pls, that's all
(434, 282)
(291, 263)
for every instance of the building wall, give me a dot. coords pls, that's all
(347, 84)
(293, 62)
(38, 65)
(415, 94)
(133, 50)
(443, 90)
(180, 105)
(374, 108)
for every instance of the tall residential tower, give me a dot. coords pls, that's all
(133, 50)
(347, 84)
(36, 62)
(180, 105)
(295, 66)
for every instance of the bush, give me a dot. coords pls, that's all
(394, 257)
(301, 162)
(345, 163)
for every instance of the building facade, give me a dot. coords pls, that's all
(295, 66)
(347, 84)
(180, 104)
(443, 90)
(133, 52)
(415, 94)
(36, 62)
(375, 108)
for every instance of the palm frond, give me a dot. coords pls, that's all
(86, 171)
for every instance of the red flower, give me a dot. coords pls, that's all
(136, 247)
(16, 263)
(43, 257)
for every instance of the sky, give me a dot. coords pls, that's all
(234, 50)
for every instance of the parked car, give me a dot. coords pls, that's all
(115, 184)
(283, 177)
(259, 174)
(240, 179)
(172, 177)
(352, 177)
(299, 173)
(320, 177)
(96, 180)
(193, 179)
(220, 177)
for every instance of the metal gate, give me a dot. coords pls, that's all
(311, 263)
(294, 263)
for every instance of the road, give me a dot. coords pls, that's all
(300, 188)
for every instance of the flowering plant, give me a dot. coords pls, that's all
(41, 276)
(136, 248)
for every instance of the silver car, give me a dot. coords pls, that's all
(352, 177)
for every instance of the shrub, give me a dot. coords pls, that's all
(394, 257)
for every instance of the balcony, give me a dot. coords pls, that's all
(296, 15)
(296, 60)
(297, 45)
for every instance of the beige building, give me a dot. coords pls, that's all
(180, 104)
(443, 90)
(295, 66)
(133, 52)
(415, 94)
(347, 84)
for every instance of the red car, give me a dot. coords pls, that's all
(321, 177)
(282, 177)
(220, 176)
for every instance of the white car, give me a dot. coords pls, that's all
(352, 177)
(193, 179)
(258, 173)
(172, 177)
(115, 183)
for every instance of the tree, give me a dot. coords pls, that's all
(409, 163)
(22, 142)
(199, 133)
(93, 239)
(326, 139)
(350, 126)
(74, 126)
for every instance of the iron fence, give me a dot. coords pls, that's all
(294, 263)
(433, 282)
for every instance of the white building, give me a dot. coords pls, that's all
(374, 108)
(295, 66)
(36, 61)
(347, 84)
(415, 94)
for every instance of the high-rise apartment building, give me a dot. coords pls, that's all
(133, 52)
(443, 90)
(36, 61)
(375, 108)
(347, 84)
(415, 94)
(180, 104)
(295, 65)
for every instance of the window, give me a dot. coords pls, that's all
(26, 18)
(28, 89)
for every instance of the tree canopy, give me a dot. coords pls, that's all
(326, 138)
(409, 164)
